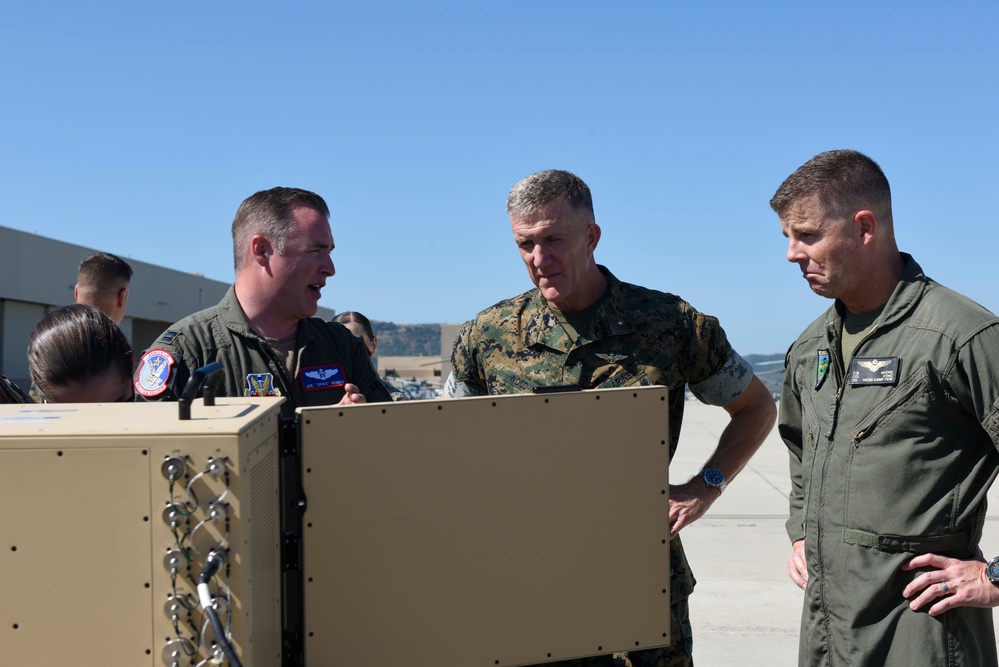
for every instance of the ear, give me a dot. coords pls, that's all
(76, 292)
(261, 249)
(122, 299)
(866, 224)
(374, 345)
(592, 237)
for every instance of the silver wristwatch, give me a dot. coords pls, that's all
(992, 571)
(713, 478)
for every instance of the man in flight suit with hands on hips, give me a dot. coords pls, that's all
(890, 411)
(582, 326)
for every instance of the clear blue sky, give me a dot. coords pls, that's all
(138, 127)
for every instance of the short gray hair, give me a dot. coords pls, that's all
(538, 190)
(268, 212)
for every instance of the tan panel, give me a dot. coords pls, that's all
(75, 559)
(104, 517)
(486, 531)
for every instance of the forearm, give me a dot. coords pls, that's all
(752, 417)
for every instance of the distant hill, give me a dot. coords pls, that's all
(407, 340)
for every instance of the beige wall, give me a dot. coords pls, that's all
(448, 333)
(38, 274)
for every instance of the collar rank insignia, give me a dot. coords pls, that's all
(154, 371)
(260, 384)
(873, 370)
(612, 358)
(315, 378)
(821, 369)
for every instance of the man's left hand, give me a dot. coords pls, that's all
(688, 503)
(952, 583)
(352, 395)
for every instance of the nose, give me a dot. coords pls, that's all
(794, 251)
(327, 268)
(539, 257)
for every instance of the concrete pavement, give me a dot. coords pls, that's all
(745, 609)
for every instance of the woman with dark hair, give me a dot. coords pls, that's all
(360, 326)
(77, 354)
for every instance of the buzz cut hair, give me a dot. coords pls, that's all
(268, 213)
(103, 274)
(845, 181)
(538, 190)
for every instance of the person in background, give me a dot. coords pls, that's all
(103, 282)
(360, 326)
(77, 354)
(11, 393)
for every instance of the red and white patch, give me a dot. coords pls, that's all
(154, 371)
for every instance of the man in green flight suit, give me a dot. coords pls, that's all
(582, 326)
(264, 331)
(890, 412)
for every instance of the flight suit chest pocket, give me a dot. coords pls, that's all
(809, 417)
(895, 458)
(905, 401)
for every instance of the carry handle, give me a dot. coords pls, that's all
(210, 376)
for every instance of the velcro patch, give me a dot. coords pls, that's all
(167, 337)
(873, 370)
(260, 384)
(154, 371)
(323, 377)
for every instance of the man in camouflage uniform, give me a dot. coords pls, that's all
(890, 412)
(582, 326)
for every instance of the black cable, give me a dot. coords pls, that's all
(212, 564)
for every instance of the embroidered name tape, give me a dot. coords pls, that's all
(873, 370)
(322, 377)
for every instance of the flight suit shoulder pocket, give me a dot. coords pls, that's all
(991, 423)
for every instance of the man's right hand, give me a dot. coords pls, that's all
(796, 567)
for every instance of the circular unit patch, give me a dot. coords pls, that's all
(154, 371)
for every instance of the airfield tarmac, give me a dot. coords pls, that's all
(745, 609)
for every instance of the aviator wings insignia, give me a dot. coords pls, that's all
(874, 364)
(612, 358)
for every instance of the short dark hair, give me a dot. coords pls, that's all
(75, 344)
(845, 181)
(536, 191)
(103, 273)
(268, 212)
